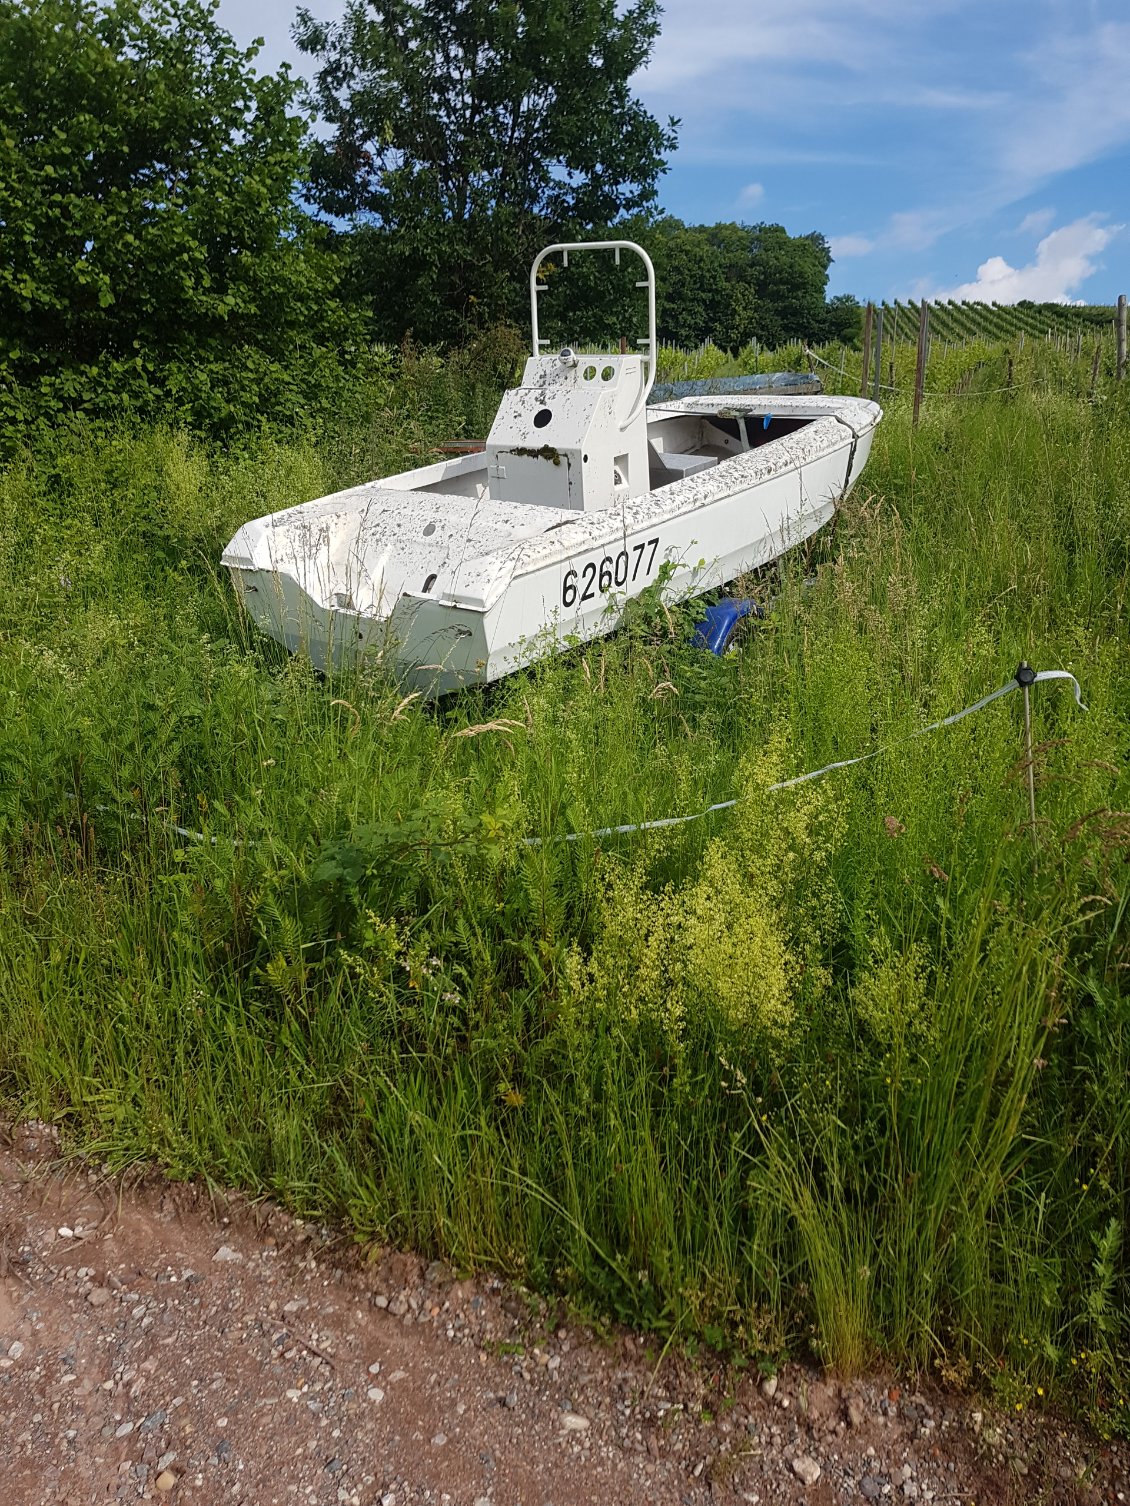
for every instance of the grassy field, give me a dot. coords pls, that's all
(842, 1069)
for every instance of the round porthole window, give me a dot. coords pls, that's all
(542, 417)
(589, 373)
(608, 373)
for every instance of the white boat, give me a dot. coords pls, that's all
(460, 572)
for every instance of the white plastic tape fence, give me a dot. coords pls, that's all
(788, 784)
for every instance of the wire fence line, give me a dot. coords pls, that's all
(977, 368)
(661, 823)
(909, 391)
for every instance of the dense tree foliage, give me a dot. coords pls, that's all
(158, 200)
(153, 251)
(732, 283)
(728, 284)
(467, 135)
(705, 283)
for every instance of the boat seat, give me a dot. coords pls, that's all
(671, 465)
(686, 465)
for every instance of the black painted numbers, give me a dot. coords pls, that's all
(631, 564)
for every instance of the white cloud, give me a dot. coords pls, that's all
(1078, 105)
(918, 229)
(972, 100)
(1036, 222)
(1056, 99)
(1064, 260)
(850, 245)
(912, 230)
(698, 146)
(751, 194)
(695, 44)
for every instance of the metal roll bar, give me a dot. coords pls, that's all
(647, 381)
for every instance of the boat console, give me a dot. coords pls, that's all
(574, 433)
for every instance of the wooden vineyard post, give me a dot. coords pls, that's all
(878, 353)
(1025, 677)
(894, 343)
(1095, 369)
(868, 317)
(920, 365)
(1120, 368)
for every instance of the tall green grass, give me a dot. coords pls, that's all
(845, 1067)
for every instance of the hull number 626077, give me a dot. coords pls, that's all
(614, 571)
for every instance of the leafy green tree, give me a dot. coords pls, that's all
(467, 133)
(732, 283)
(790, 277)
(154, 255)
(727, 283)
(843, 317)
(705, 283)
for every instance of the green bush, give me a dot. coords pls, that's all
(156, 260)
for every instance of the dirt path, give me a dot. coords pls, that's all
(158, 1344)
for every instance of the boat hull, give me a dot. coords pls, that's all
(553, 578)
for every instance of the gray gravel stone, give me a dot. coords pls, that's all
(806, 1469)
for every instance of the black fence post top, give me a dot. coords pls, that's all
(1025, 674)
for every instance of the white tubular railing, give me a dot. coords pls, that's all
(647, 381)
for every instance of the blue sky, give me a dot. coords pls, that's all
(961, 148)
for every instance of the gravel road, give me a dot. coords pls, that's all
(158, 1342)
